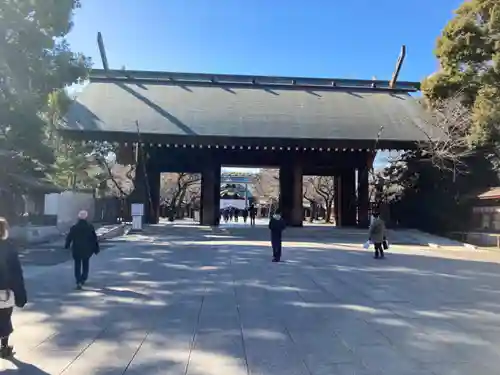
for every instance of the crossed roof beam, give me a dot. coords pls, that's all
(137, 76)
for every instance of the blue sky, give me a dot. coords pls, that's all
(351, 39)
(331, 38)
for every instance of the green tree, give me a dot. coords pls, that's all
(75, 165)
(469, 54)
(435, 184)
(35, 60)
(433, 199)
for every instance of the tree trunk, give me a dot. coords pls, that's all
(170, 208)
(173, 206)
(311, 210)
(180, 199)
(171, 212)
(314, 211)
(328, 214)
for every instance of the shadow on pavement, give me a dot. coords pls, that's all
(22, 368)
(179, 300)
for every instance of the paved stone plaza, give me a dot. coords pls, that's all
(189, 300)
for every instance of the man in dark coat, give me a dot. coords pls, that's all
(277, 226)
(11, 282)
(83, 241)
(253, 212)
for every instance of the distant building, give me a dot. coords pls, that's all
(235, 195)
(486, 211)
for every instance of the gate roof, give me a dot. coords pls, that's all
(195, 107)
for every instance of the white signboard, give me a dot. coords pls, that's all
(236, 203)
(51, 204)
(137, 222)
(137, 209)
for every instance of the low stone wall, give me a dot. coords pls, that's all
(35, 234)
(66, 206)
(40, 234)
(483, 239)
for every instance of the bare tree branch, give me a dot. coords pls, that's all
(447, 135)
(320, 190)
(178, 189)
(107, 167)
(306, 194)
(266, 184)
(101, 155)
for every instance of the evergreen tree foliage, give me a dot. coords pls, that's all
(439, 199)
(35, 61)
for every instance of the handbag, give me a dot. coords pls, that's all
(385, 244)
(7, 299)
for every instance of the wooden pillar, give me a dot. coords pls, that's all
(285, 196)
(363, 198)
(336, 200)
(348, 198)
(291, 194)
(216, 194)
(154, 181)
(297, 217)
(210, 195)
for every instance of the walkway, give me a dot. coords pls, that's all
(189, 300)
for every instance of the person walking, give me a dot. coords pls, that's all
(377, 235)
(276, 225)
(253, 212)
(12, 289)
(83, 241)
(244, 213)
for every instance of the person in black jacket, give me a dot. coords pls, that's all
(12, 289)
(252, 211)
(244, 213)
(83, 241)
(277, 226)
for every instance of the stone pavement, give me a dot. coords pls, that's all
(182, 299)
